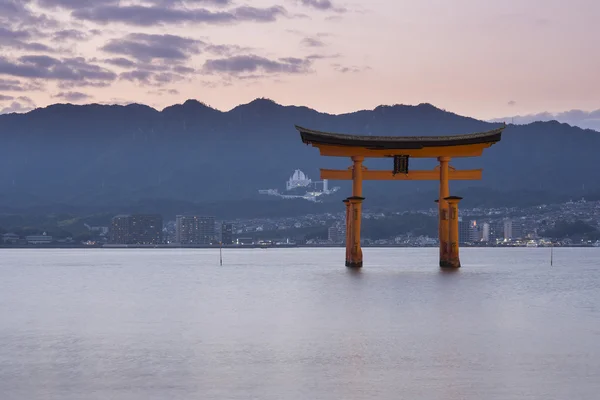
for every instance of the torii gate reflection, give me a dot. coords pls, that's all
(401, 148)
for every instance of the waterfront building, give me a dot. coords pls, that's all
(136, 229)
(227, 233)
(464, 234)
(119, 229)
(10, 238)
(39, 239)
(333, 234)
(513, 230)
(474, 232)
(194, 229)
(146, 229)
(485, 232)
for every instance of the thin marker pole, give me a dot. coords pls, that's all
(551, 254)
(221, 254)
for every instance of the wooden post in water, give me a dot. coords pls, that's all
(221, 253)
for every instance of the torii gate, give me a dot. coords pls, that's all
(401, 148)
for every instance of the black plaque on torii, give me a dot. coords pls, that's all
(400, 165)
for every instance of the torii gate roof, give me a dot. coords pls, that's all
(337, 144)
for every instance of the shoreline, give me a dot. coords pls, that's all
(256, 246)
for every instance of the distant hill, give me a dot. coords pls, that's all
(99, 157)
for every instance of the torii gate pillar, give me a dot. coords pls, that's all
(443, 210)
(354, 257)
(453, 234)
(348, 229)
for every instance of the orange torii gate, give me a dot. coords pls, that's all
(401, 148)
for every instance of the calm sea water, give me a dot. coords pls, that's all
(295, 324)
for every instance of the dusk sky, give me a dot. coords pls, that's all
(479, 58)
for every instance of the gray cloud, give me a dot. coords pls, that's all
(225, 50)
(349, 69)
(16, 107)
(167, 77)
(22, 104)
(180, 69)
(174, 3)
(14, 85)
(68, 85)
(512, 103)
(159, 59)
(323, 5)
(26, 100)
(582, 119)
(252, 64)
(161, 92)
(137, 75)
(44, 67)
(323, 56)
(16, 13)
(312, 42)
(150, 78)
(120, 62)
(147, 48)
(14, 10)
(13, 7)
(157, 15)
(72, 96)
(76, 4)
(9, 34)
(17, 39)
(69, 34)
(5, 98)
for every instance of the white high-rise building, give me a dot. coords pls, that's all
(485, 232)
(508, 229)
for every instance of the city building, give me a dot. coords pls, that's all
(517, 230)
(119, 229)
(507, 229)
(496, 231)
(485, 232)
(244, 241)
(39, 239)
(333, 234)
(146, 229)
(226, 233)
(10, 238)
(464, 233)
(474, 233)
(513, 230)
(194, 229)
(136, 229)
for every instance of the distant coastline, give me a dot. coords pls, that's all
(254, 246)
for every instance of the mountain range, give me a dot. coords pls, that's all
(101, 158)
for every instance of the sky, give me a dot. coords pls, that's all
(479, 58)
